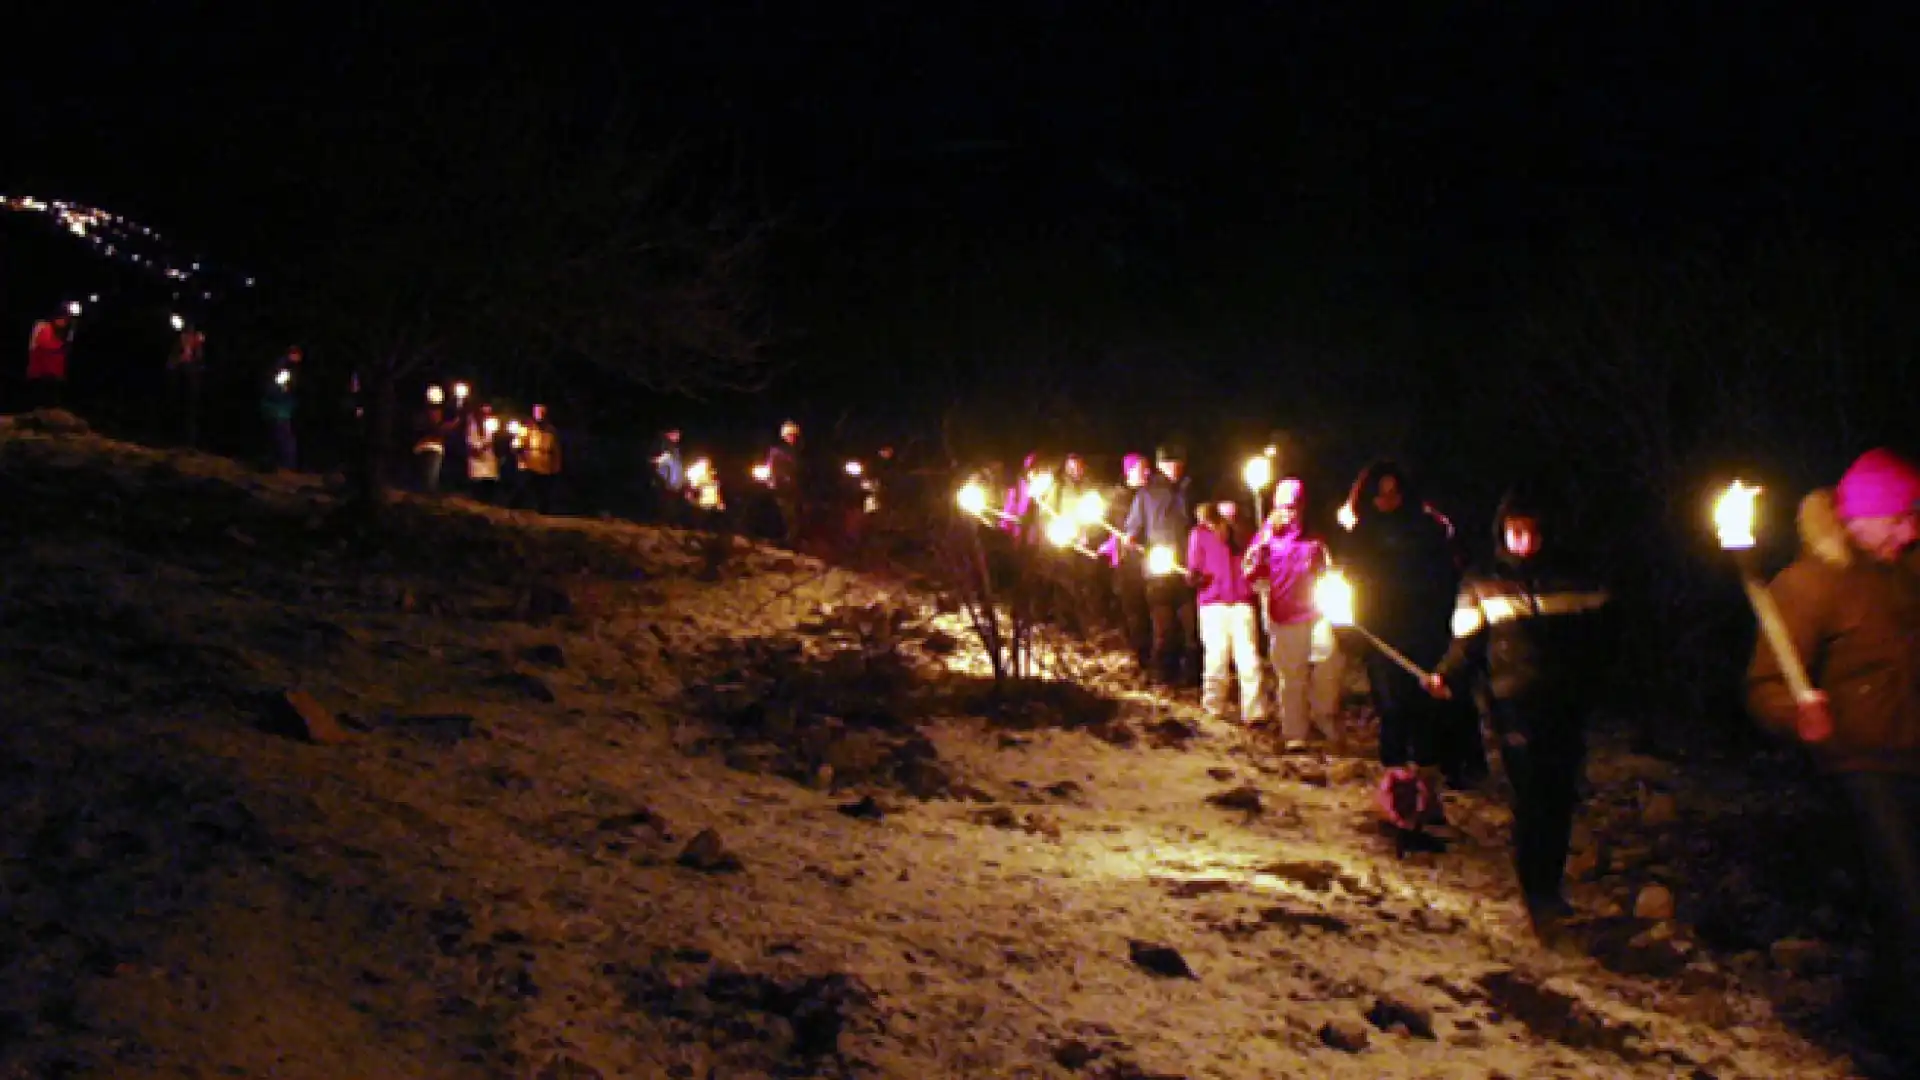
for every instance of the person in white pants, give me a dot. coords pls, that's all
(1306, 671)
(1228, 640)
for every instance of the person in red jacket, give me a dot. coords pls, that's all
(47, 360)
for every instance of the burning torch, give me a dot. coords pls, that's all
(1733, 520)
(1258, 473)
(178, 323)
(1333, 595)
(460, 392)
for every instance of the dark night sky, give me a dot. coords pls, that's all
(979, 172)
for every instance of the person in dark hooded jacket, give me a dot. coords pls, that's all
(1160, 517)
(1404, 581)
(1529, 622)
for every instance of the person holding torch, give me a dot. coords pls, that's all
(1531, 623)
(1157, 523)
(1837, 670)
(1405, 584)
(1289, 562)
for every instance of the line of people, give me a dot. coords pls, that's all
(1513, 640)
(511, 462)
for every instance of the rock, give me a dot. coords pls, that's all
(1389, 1013)
(940, 643)
(525, 684)
(1066, 789)
(434, 727)
(1244, 797)
(1171, 734)
(1798, 956)
(1162, 960)
(1348, 1034)
(1074, 1055)
(707, 854)
(1582, 864)
(545, 600)
(52, 422)
(1221, 774)
(317, 722)
(1346, 771)
(1662, 809)
(567, 1067)
(1654, 902)
(546, 654)
(866, 809)
(923, 778)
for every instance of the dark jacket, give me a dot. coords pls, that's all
(1854, 621)
(1531, 624)
(1404, 579)
(1160, 516)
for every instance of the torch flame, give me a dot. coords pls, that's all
(1733, 516)
(1346, 517)
(283, 377)
(73, 307)
(492, 425)
(178, 323)
(1091, 509)
(513, 427)
(699, 472)
(854, 468)
(1160, 561)
(435, 395)
(972, 498)
(1061, 532)
(762, 472)
(1039, 484)
(1258, 472)
(1333, 595)
(460, 391)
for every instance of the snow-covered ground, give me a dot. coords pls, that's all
(613, 801)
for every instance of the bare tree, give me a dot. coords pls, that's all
(485, 230)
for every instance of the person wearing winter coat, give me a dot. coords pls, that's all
(1291, 562)
(483, 465)
(430, 432)
(1228, 627)
(540, 459)
(278, 403)
(1529, 622)
(186, 371)
(1127, 563)
(1159, 518)
(47, 360)
(1851, 605)
(1404, 582)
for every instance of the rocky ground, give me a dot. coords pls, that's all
(479, 794)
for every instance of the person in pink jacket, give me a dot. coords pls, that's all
(1227, 621)
(1291, 562)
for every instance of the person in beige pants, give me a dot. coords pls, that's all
(1291, 562)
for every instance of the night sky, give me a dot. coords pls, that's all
(1191, 206)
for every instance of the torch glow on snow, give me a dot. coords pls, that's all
(1733, 515)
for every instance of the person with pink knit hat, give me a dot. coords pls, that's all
(1851, 604)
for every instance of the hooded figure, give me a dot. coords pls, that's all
(1851, 605)
(1530, 624)
(1129, 578)
(1402, 570)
